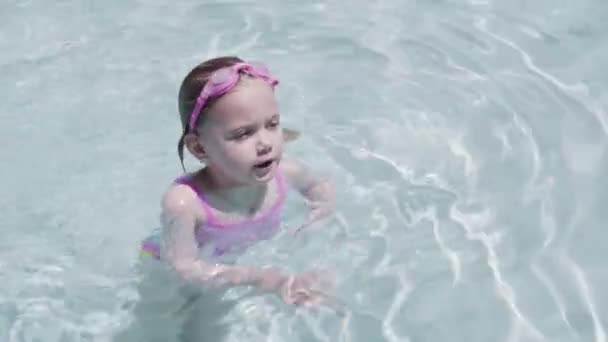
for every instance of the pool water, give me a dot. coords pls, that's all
(467, 138)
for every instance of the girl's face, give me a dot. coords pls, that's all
(241, 137)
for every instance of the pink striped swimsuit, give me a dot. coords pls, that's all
(227, 237)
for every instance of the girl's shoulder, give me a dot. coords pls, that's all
(296, 173)
(180, 199)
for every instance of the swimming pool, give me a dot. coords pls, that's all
(468, 139)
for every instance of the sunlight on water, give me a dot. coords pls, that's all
(468, 140)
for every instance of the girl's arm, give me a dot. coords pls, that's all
(180, 249)
(318, 190)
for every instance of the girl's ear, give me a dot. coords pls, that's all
(290, 134)
(195, 147)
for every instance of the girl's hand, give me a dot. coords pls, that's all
(308, 289)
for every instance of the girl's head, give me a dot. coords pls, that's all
(230, 120)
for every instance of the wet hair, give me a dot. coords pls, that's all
(191, 87)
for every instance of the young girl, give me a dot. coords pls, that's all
(231, 123)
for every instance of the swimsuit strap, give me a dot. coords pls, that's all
(210, 218)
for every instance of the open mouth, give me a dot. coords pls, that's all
(263, 165)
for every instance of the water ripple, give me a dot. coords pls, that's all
(468, 138)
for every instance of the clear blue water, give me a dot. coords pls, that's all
(468, 139)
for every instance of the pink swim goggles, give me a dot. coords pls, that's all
(223, 80)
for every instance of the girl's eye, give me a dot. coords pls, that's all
(241, 134)
(273, 123)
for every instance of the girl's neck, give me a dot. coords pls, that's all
(229, 195)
